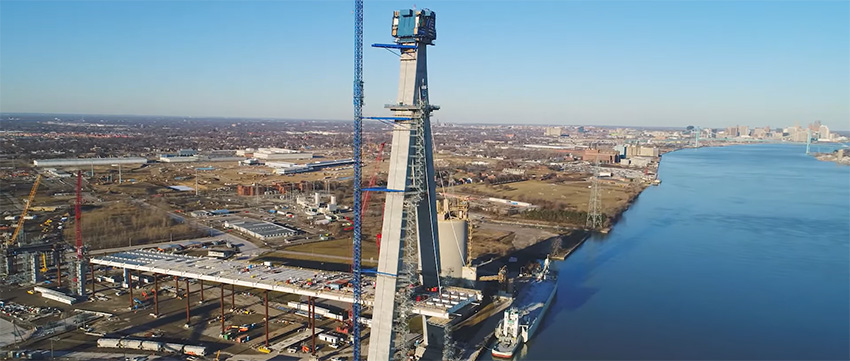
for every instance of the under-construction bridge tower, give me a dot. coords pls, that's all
(409, 250)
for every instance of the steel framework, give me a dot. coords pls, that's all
(358, 135)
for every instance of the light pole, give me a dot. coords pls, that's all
(51, 345)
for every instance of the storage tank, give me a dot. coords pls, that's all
(132, 344)
(195, 350)
(454, 234)
(173, 347)
(108, 342)
(151, 345)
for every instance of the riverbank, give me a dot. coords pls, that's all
(840, 156)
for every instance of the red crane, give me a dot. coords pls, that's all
(372, 182)
(347, 324)
(78, 229)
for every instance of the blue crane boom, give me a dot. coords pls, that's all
(358, 133)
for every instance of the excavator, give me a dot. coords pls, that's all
(12, 241)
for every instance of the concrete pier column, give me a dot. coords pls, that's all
(130, 285)
(59, 255)
(221, 287)
(126, 276)
(232, 297)
(267, 318)
(188, 293)
(91, 271)
(202, 292)
(156, 295)
(176, 287)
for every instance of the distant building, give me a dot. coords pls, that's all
(553, 132)
(280, 154)
(174, 158)
(823, 132)
(604, 156)
(641, 151)
(71, 162)
(732, 132)
(797, 134)
(743, 131)
(261, 230)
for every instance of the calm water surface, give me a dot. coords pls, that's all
(743, 252)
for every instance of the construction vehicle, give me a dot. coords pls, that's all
(502, 276)
(43, 263)
(12, 241)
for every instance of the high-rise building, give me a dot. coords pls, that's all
(553, 132)
(732, 132)
(823, 132)
(743, 131)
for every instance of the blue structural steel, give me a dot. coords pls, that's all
(388, 118)
(394, 46)
(358, 134)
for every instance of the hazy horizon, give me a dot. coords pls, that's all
(645, 64)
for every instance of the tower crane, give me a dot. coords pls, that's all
(20, 227)
(358, 136)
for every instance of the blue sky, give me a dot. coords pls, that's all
(664, 63)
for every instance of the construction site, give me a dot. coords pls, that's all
(393, 253)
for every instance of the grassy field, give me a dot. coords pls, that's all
(562, 195)
(337, 247)
(120, 224)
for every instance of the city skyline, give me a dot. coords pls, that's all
(665, 64)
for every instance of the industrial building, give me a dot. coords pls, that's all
(290, 168)
(261, 230)
(76, 162)
(278, 154)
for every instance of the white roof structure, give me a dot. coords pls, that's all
(301, 281)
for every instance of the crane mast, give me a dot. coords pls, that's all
(20, 225)
(358, 135)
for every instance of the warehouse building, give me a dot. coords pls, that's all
(76, 162)
(261, 230)
(279, 154)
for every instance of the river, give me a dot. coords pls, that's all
(743, 252)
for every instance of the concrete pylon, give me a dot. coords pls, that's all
(409, 252)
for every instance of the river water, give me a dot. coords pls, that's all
(743, 253)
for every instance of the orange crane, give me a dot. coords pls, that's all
(14, 239)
